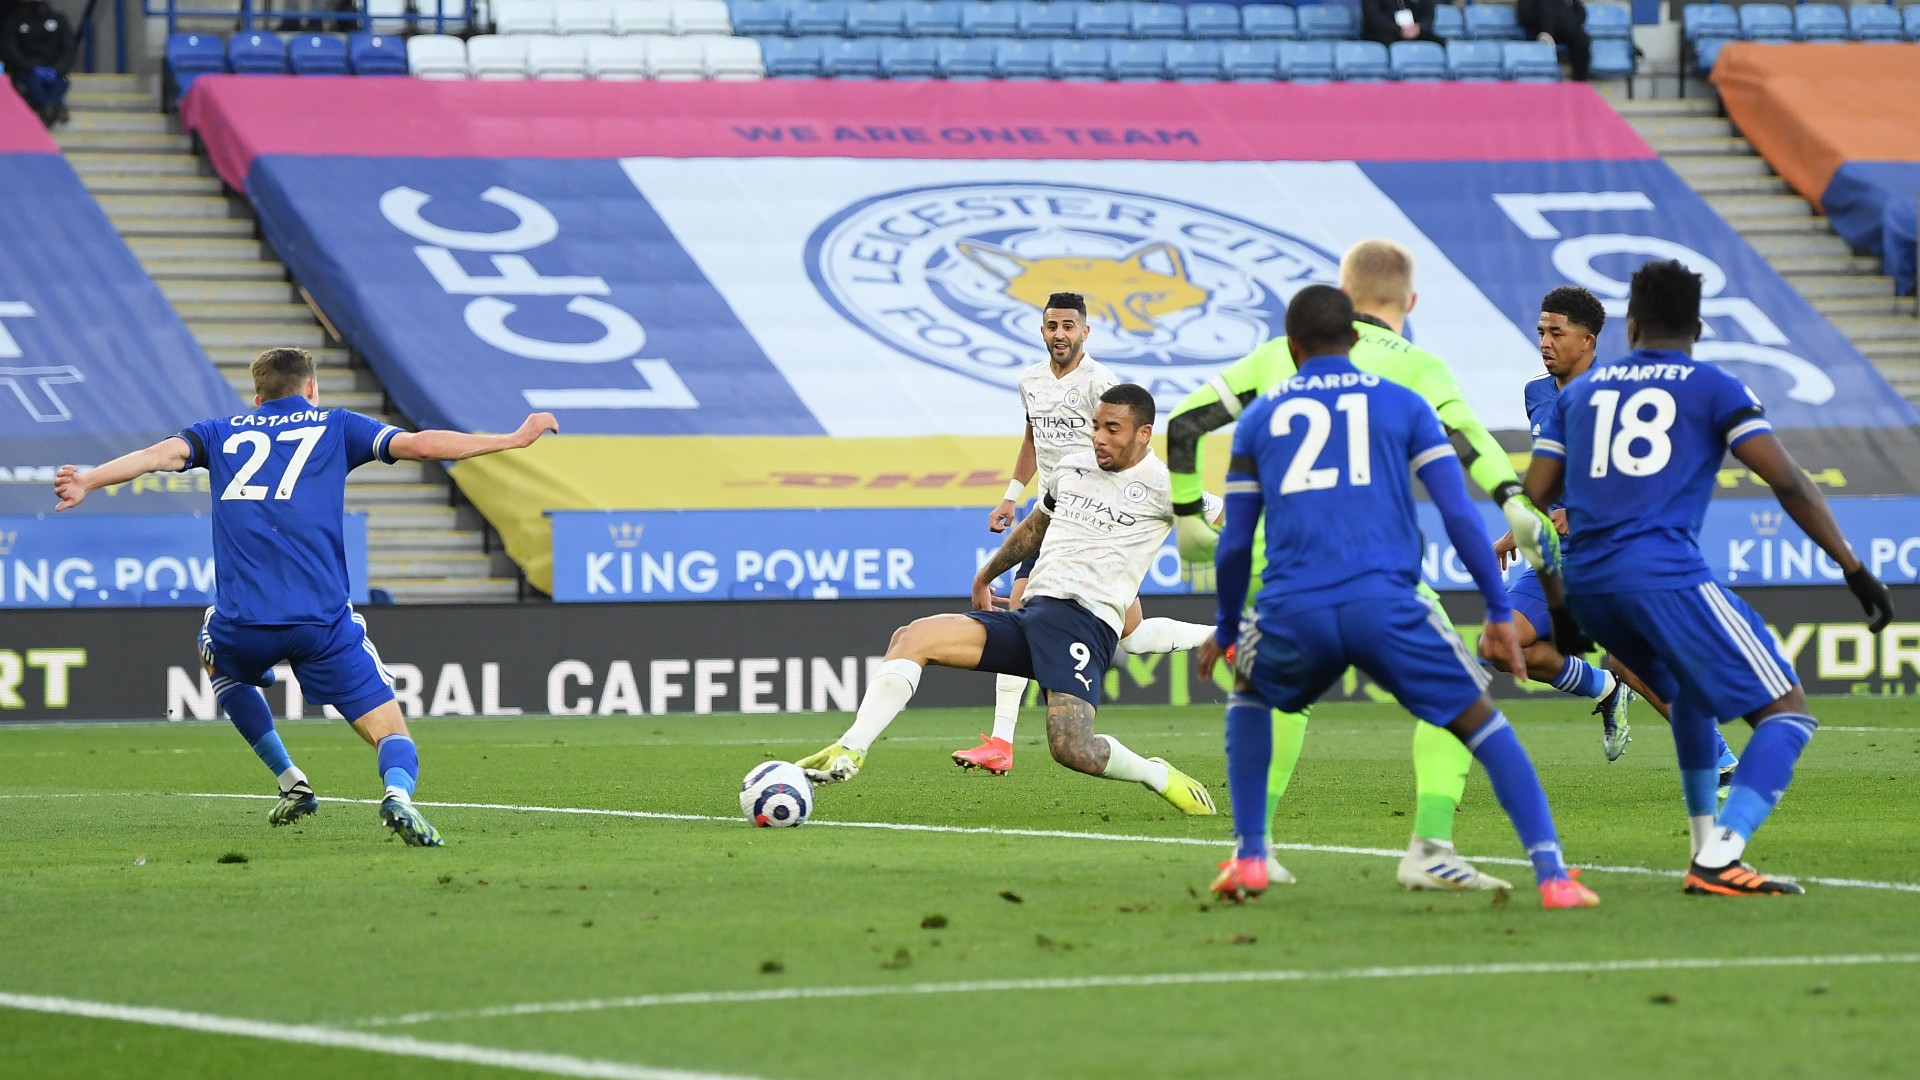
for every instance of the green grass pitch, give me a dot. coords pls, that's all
(122, 887)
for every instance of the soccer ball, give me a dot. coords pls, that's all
(776, 794)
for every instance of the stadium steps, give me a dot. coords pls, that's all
(1786, 229)
(204, 251)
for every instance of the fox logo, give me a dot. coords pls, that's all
(1136, 292)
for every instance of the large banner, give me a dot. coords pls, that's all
(93, 360)
(635, 660)
(808, 263)
(151, 560)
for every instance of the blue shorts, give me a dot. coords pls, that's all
(335, 663)
(1407, 645)
(1702, 642)
(1056, 643)
(1529, 600)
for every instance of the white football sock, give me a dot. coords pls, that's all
(1699, 828)
(1007, 692)
(889, 693)
(1723, 846)
(1124, 764)
(1165, 636)
(1607, 684)
(292, 776)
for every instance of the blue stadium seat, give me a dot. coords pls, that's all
(1766, 22)
(1269, 22)
(1493, 22)
(1138, 59)
(377, 54)
(1417, 61)
(1038, 19)
(1612, 58)
(317, 54)
(1023, 60)
(1707, 50)
(1448, 23)
(1820, 22)
(934, 18)
(257, 52)
(1475, 60)
(192, 55)
(1361, 61)
(1101, 18)
(1329, 22)
(1152, 20)
(757, 17)
(1609, 22)
(817, 17)
(1080, 60)
(850, 58)
(1709, 21)
(1305, 61)
(1875, 22)
(1194, 61)
(1213, 21)
(966, 59)
(985, 18)
(1911, 17)
(1530, 61)
(914, 58)
(877, 18)
(1248, 61)
(791, 58)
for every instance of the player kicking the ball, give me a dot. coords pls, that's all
(1102, 516)
(1326, 464)
(281, 567)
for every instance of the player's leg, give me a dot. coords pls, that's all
(1410, 648)
(984, 640)
(239, 667)
(1142, 636)
(1573, 675)
(1440, 768)
(995, 752)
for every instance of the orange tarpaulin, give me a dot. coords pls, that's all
(1808, 109)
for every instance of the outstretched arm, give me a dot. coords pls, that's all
(458, 445)
(1770, 461)
(1014, 550)
(1024, 466)
(170, 454)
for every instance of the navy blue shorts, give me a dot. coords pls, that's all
(1529, 600)
(1056, 643)
(1407, 645)
(1703, 643)
(334, 662)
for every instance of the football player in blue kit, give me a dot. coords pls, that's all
(1636, 446)
(1327, 461)
(279, 477)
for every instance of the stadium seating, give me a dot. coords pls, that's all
(817, 17)
(1250, 61)
(1474, 60)
(1448, 23)
(1820, 22)
(792, 58)
(1766, 22)
(966, 59)
(1912, 20)
(523, 16)
(1138, 59)
(1417, 61)
(1194, 61)
(1612, 59)
(984, 18)
(1493, 22)
(1213, 21)
(1080, 60)
(317, 54)
(437, 56)
(850, 58)
(1163, 21)
(1361, 61)
(1328, 22)
(190, 56)
(1104, 20)
(377, 54)
(676, 59)
(560, 58)
(1022, 60)
(497, 56)
(1035, 19)
(935, 18)
(625, 58)
(912, 59)
(733, 59)
(1530, 61)
(1268, 21)
(700, 17)
(1306, 61)
(583, 17)
(759, 17)
(642, 17)
(1609, 22)
(1875, 22)
(877, 18)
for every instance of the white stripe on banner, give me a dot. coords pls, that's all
(1741, 634)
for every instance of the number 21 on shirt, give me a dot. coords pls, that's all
(1301, 474)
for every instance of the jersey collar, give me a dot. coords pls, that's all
(290, 403)
(1330, 360)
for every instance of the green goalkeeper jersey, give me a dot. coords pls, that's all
(1380, 351)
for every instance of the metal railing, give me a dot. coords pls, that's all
(317, 15)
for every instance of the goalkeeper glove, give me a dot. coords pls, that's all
(1533, 533)
(1196, 541)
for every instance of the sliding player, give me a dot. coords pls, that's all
(1327, 463)
(1378, 276)
(1059, 395)
(281, 568)
(1102, 516)
(1636, 446)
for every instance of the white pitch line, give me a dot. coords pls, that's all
(1103, 982)
(316, 1035)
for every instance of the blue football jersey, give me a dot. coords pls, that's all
(1643, 437)
(279, 493)
(1539, 395)
(1333, 451)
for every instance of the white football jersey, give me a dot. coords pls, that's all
(1105, 530)
(1061, 410)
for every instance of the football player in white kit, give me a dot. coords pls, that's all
(1101, 518)
(1059, 395)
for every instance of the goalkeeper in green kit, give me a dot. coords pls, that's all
(1378, 276)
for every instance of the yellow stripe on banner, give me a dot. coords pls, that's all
(711, 472)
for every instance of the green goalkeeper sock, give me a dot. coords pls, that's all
(1289, 735)
(1440, 765)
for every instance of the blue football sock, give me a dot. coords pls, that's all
(1581, 679)
(1518, 788)
(247, 708)
(399, 763)
(1725, 755)
(1765, 771)
(1696, 735)
(1249, 753)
